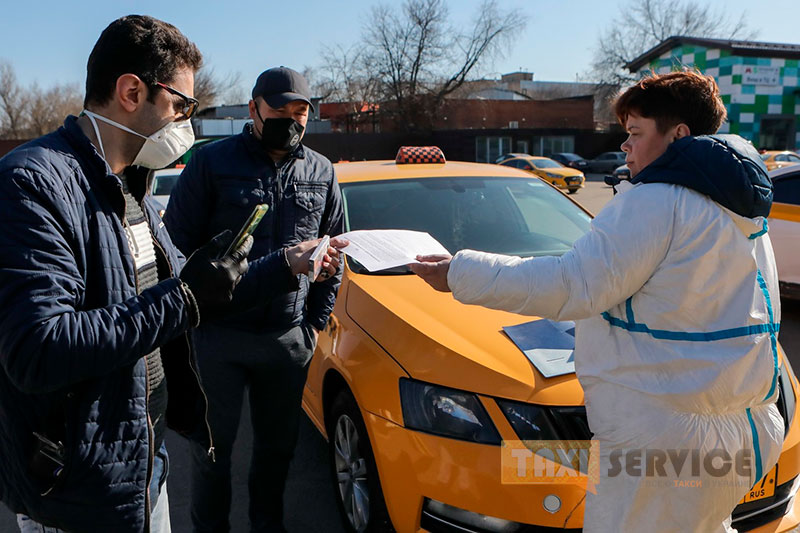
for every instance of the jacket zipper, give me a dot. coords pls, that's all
(150, 433)
(150, 453)
(277, 238)
(210, 452)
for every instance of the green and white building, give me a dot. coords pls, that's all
(758, 83)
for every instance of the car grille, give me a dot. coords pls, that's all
(438, 523)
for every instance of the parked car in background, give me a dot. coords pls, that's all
(163, 182)
(784, 228)
(779, 158)
(510, 155)
(622, 172)
(417, 393)
(568, 159)
(606, 162)
(549, 170)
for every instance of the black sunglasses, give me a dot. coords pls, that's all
(190, 104)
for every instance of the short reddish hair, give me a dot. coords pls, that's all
(686, 97)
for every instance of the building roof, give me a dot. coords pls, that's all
(739, 48)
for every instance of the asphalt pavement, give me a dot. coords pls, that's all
(310, 498)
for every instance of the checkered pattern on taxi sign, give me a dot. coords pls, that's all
(419, 154)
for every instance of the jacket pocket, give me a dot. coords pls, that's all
(235, 200)
(52, 453)
(240, 191)
(309, 203)
(310, 196)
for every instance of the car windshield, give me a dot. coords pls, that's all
(764, 157)
(546, 163)
(515, 216)
(163, 184)
(571, 157)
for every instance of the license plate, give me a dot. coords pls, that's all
(764, 488)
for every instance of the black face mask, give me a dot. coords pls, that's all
(280, 133)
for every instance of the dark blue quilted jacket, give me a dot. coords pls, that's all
(72, 335)
(218, 189)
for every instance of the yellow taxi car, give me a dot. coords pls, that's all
(779, 158)
(784, 228)
(417, 393)
(547, 169)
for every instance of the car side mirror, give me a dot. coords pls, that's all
(612, 180)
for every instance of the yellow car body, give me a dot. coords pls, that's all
(388, 329)
(551, 171)
(784, 228)
(779, 158)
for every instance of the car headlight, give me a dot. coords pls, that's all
(530, 422)
(446, 412)
(551, 175)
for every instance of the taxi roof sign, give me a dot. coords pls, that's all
(409, 155)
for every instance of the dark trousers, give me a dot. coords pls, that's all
(272, 367)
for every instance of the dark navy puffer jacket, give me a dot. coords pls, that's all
(218, 189)
(727, 168)
(72, 335)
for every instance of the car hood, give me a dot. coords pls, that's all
(439, 340)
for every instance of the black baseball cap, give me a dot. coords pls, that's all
(280, 85)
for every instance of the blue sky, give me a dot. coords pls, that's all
(49, 41)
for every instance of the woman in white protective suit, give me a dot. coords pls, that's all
(675, 294)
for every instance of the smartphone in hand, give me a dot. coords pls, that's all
(315, 261)
(248, 228)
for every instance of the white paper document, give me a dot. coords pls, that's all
(389, 248)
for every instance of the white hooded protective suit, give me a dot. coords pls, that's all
(676, 303)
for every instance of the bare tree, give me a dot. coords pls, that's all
(27, 112)
(14, 103)
(47, 108)
(212, 89)
(642, 24)
(346, 79)
(411, 58)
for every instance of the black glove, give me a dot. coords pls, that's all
(210, 278)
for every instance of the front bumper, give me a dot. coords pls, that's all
(422, 474)
(569, 183)
(415, 466)
(783, 515)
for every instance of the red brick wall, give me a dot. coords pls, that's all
(7, 145)
(567, 113)
(574, 113)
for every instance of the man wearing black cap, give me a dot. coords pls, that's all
(265, 350)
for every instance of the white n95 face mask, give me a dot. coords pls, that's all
(159, 149)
